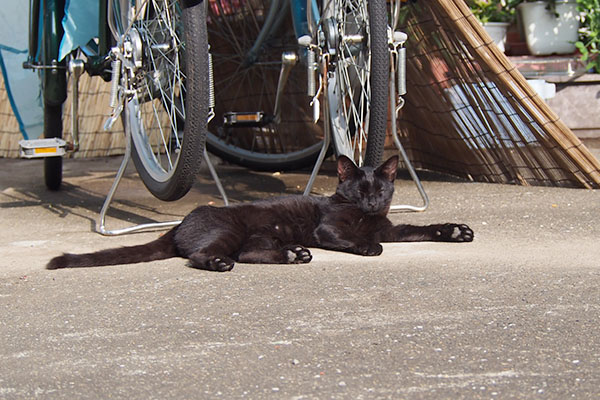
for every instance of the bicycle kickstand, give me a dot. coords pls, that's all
(154, 225)
(398, 66)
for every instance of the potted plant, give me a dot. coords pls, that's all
(495, 16)
(589, 33)
(551, 26)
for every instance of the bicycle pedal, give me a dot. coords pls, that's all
(39, 148)
(244, 119)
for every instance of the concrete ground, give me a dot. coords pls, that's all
(515, 314)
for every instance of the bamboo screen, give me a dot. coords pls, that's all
(9, 126)
(470, 113)
(94, 141)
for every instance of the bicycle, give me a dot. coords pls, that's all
(143, 48)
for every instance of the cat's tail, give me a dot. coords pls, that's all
(159, 249)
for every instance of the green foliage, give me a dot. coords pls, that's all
(492, 10)
(589, 33)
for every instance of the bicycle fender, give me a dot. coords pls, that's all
(54, 81)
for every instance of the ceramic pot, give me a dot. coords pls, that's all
(497, 31)
(547, 34)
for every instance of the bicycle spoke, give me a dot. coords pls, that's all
(160, 84)
(352, 61)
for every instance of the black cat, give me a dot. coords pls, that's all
(279, 230)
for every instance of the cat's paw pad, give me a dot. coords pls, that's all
(297, 254)
(370, 249)
(220, 264)
(455, 233)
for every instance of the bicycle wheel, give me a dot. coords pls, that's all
(356, 38)
(246, 74)
(164, 79)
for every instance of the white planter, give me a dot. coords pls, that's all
(544, 32)
(497, 31)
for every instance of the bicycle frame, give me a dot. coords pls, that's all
(300, 18)
(45, 29)
(49, 15)
(302, 22)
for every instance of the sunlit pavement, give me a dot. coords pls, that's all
(513, 314)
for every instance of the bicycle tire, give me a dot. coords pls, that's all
(358, 89)
(245, 80)
(379, 80)
(53, 129)
(167, 115)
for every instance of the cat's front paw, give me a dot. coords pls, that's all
(207, 262)
(220, 264)
(297, 254)
(370, 249)
(454, 233)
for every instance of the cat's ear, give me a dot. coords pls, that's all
(388, 169)
(345, 168)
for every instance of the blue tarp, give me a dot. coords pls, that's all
(23, 86)
(80, 24)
